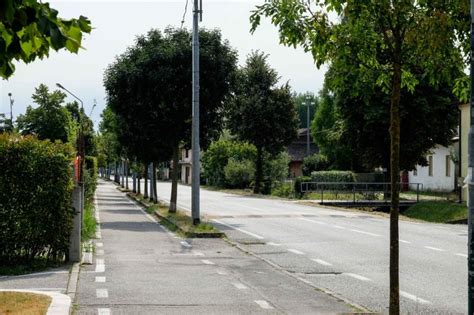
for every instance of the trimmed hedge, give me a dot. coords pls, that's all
(333, 176)
(35, 199)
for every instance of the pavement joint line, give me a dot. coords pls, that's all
(100, 279)
(264, 304)
(103, 311)
(273, 244)
(356, 276)
(240, 286)
(434, 248)
(295, 251)
(364, 232)
(207, 262)
(102, 293)
(239, 229)
(461, 255)
(414, 298)
(321, 262)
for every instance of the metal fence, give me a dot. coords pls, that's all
(356, 191)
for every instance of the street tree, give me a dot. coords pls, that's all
(50, 120)
(260, 112)
(30, 29)
(389, 36)
(80, 118)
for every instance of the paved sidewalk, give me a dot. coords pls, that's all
(55, 279)
(140, 268)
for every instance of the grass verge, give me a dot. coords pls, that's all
(23, 303)
(179, 222)
(437, 211)
(89, 225)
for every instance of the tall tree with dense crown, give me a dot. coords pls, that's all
(433, 33)
(262, 113)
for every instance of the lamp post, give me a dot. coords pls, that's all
(11, 109)
(307, 103)
(470, 182)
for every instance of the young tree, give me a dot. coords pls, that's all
(389, 35)
(261, 113)
(50, 120)
(29, 29)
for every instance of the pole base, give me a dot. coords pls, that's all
(196, 221)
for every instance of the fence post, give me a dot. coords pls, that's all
(75, 237)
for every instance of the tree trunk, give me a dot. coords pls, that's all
(394, 181)
(145, 194)
(134, 182)
(126, 174)
(139, 189)
(117, 175)
(122, 178)
(258, 171)
(153, 178)
(174, 181)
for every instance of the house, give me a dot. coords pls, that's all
(298, 150)
(440, 174)
(186, 163)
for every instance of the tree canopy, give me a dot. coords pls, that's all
(30, 28)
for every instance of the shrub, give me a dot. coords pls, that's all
(298, 181)
(35, 199)
(285, 190)
(314, 163)
(276, 169)
(334, 176)
(90, 177)
(239, 174)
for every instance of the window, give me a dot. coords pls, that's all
(187, 153)
(430, 165)
(415, 171)
(448, 165)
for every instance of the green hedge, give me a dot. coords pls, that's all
(333, 176)
(35, 199)
(298, 181)
(91, 171)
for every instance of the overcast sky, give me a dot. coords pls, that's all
(117, 23)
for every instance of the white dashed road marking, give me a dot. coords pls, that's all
(198, 254)
(322, 262)
(313, 221)
(366, 233)
(434, 248)
(273, 244)
(295, 251)
(100, 279)
(99, 252)
(103, 311)
(338, 227)
(462, 255)
(239, 286)
(222, 272)
(358, 277)
(240, 230)
(264, 304)
(403, 241)
(207, 262)
(414, 298)
(102, 293)
(185, 244)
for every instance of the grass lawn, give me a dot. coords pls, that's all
(89, 225)
(437, 211)
(23, 303)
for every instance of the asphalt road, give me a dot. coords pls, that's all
(141, 268)
(345, 252)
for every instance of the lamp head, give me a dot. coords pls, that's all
(10, 94)
(59, 86)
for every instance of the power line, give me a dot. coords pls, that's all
(184, 14)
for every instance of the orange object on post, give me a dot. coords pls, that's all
(77, 168)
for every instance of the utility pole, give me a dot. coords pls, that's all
(196, 166)
(307, 103)
(470, 180)
(11, 109)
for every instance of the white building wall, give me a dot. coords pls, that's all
(186, 166)
(438, 181)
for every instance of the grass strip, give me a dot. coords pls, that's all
(437, 211)
(23, 303)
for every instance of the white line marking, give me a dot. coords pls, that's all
(207, 262)
(366, 233)
(403, 241)
(99, 244)
(239, 229)
(295, 251)
(222, 272)
(185, 244)
(100, 279)
(150, 217)
(434, 248)
(103, 311)
(414, 298)
(100, 268)
(313, 221)
(102, 293)
(198, 254)
(338, 227)
(358, 277)
(273, 244)
(461, 255)
(99, 261)
(239, 286)
(264, 304)
(321, 262)
(99, 252)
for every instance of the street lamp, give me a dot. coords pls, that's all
(307, 103)
(11, 108)
(81, 134)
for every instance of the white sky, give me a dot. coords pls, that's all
(116, 24)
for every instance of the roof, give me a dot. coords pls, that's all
(297, 149)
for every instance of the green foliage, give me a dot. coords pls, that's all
(315, 162)
(35, 199)
(298, 181)
(216, 157)
(80, 118)
(90, 177)
(260, 112)
(284, 190)
(50, 120)
(89, 223)
(29, 29)
(275, 168)
(437, 211)
(333, 176)
(301, 101)
(239, 173)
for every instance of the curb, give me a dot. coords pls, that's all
(72, 282)
(171, 222)
(360, 309)
(60, 303)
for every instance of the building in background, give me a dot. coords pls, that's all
(298, 151)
